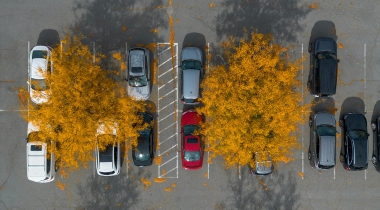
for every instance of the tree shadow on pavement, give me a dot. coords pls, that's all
(116, 192)
(281, 18)
(113, 23)
(276, 191)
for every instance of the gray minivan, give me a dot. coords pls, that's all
(322, 149)
(191, 64)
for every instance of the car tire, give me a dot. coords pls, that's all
(309, 48)
(341, 158)
(341, 123)
(308, 85)
(373, 126)
(374, 160)
(309, 155)
(310, 122)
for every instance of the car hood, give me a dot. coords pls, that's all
(39, 97)
(324, 119)
(325, 45)
(139, 93)
(355, 122)
(191, 53)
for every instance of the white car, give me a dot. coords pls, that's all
(107, 160)
(40, 64)
(138, 73)
(41, 166)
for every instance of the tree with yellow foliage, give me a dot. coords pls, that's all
(82, 98)
(250, 102)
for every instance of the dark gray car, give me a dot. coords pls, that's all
(323, 67)
(354, 154)
(322, 148)
(376, 143)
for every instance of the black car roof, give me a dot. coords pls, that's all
(360, 156)
(327, 76)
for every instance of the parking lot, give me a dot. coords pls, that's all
(295, 185)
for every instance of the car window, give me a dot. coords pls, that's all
(191, 64)
(192, 140)
(317, 144)
(326, 130)
(349, 150)
(357, 134)
(192, 155)
(138, 81)
(39, 54)
(189, 129)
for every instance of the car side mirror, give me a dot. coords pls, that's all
(26, 139)
(126, 79)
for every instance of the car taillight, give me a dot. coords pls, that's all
(347, 168)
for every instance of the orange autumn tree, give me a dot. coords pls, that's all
(82, 96)
(250, 102)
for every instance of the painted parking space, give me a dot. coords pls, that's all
(167, 105)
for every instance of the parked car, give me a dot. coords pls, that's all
(191, 65)
(324, 67)
(263, 164)
(143, 154)
(40, 65)
(322, 140)
(191, 144)
(108, 158)
(376, 143)
(354, 154)
(40, 156)
(138, 73)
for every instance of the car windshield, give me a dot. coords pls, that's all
(192, 155)
(191, 64)
(139, 81)
(326, 130)
(39, 84)
(189, 129)
(39, 54)
(354, 134)
(141, 156)
(327, 55)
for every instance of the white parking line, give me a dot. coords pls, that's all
(166, 61)
(303, 96)
(163, 50)
(167, 139)
(167, 127)
(166, 117)
(239, 172)
(166, 106)
(167, 83)
(166, 94)
(168, 162)
(169, 172)
(166, 71)
(169, 149)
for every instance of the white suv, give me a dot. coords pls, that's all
(41, 165)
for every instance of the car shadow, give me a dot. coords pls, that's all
(116, 192)
(49, 37)
(376, 112)
(323, 104)
(276, 191)
(352, 105)
(112, 24)
(266, 16)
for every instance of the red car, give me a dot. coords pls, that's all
(192, 149)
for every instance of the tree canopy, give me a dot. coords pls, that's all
(250, 102)
(82, 97)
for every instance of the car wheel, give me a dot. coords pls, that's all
(309, 155)
(374, 160)
(309, 48)
(341, 158)
(308, 85)
(310, 122)
(373, 126)
(341, 123)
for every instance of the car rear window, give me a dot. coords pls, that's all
(39, 54)
(137, 69)
(36, 148)
(192, 140)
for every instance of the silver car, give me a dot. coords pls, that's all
(138, 73)
(322, 140)
(191, 64)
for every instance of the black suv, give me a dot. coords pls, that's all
(323, 67)
(143, 154)
(354, 154)
(376, 144)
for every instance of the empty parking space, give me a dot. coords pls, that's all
(167, 105)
